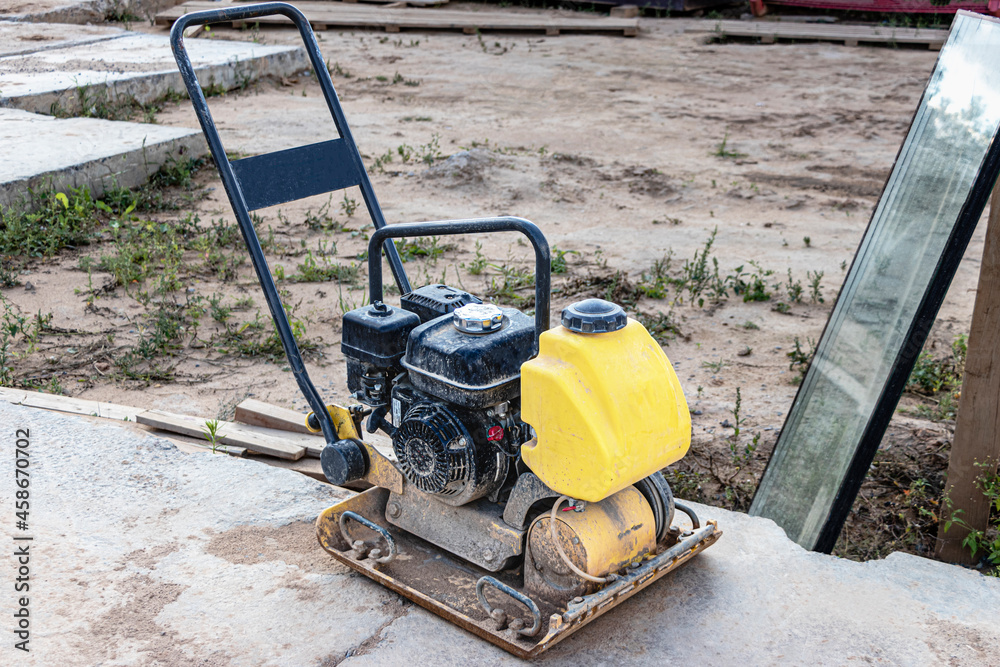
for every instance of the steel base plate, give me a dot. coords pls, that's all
(446, 585)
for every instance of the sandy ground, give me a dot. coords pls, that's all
(609, 145)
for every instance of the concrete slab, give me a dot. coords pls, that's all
(60, 11)
(42, 151)
(79, 11)
(20, 38)
(144, 555)
(135, 66)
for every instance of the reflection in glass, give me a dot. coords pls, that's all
(898, 257)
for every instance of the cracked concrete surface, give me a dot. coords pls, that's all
(87, 70)
(143, 555)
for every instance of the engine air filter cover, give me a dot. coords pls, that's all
(470, 371)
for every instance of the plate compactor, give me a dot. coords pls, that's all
(521, 495)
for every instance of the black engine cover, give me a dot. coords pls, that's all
(438, 455)
(470, 370)
(433, 301)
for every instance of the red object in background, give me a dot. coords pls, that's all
(992, 7)
(495, 433)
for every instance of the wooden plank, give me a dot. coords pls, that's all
(258, 413)
(978, 421)
(624, 11)
(312, 444)
(350, 15)
(229, 434)
(769, 31)
(12, 396)
(76, 406)
(193, 446)
(308, 467)
(117, 412)
(273, 420)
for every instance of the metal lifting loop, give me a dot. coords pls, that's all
(536, 615)
(372, 526)
(696, 524)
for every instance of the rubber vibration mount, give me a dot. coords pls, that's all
(343, 461)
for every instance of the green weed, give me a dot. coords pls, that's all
(512, 279)
(656, 281)
(715, 366)
(752, 285)
(661, 326)
(211, 433)
(699, 278)
(815, 290)
(723, 152)
(59, 220)
(793, 288)
(559, 264)
(478, 263)
(800, 359)
(312, 271)
(988, 540)
(424, 247)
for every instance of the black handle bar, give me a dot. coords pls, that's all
(543, 260)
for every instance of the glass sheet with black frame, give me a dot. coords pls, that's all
(904, 264)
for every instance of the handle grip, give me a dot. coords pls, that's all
(543, 259)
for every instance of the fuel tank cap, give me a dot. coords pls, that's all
(594, 316)
(478, 318)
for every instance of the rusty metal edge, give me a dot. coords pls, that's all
(557, 630)
(430, 604)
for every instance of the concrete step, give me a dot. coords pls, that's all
(42, 152)
(79, 11)
(22, 38)
(60, 11)
(195, 555)
(112, 68)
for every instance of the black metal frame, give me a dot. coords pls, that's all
(920, 327)
(288, 175)
(283, 176)
(543, 260)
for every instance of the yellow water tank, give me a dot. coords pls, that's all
(607, 407)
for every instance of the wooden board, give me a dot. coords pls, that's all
(325, 15)
(259, 413)
(271, 420)
(851, 35)
(191, 446)
(978, 419)
(76, 406)
(229, 434)
(309, 467)
(308, 442)
(12, 396)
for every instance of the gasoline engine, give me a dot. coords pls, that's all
(441, 375)
(520, 449)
